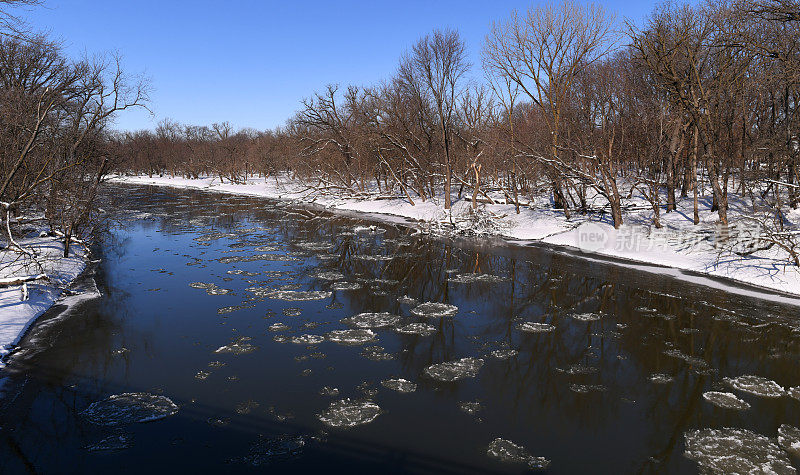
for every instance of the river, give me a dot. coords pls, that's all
(247, 334)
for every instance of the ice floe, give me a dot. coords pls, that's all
(348, 413)
(757, 385)
(239, 346)
(474, 278)
(297, 295)
(434, 310)
(789, 439)
(503, 354)
(507, 451)
(735, 451)
(534, 327)
(400, 385)
(372, 320)
(128, 408)
(351, 337)
(422, 329)
(454, 370)
(726, 400)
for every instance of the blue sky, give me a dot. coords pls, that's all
(251, 62)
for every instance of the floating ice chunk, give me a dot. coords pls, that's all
(534, 327)
(789, 439)
(470, 407)
(128, 408)
(297, 295)
(345, 286)
(400, 385)
(292, 312)
(692, 360)
(114, 442)
(422, 329)
(735, 451)
(347, 413)
(329, 391)
(238, 346)
(376, 353)
(507, 451)
(268, 450)
(202, 375)
(725, 400)
(372, 320)
(351, 337)
(756, 385)
(434, 310)
(210, 288)
(661, 378)
(504, 354)
(578, 368)
(278, 327)
(329, 275)
(216, 364)
(307, 339)
(315, 246)
(473, 278)
(406, 300)
(795, 392)
(586, 317)
(233, 308)
(587, 388)
(454, 370)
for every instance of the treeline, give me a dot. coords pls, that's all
(55, 148)
(575, 104)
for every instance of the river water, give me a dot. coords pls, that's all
(238, 334)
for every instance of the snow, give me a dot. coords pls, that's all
(16, 315)
(680, 249)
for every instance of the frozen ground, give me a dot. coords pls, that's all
(16, 313)
(678, 245)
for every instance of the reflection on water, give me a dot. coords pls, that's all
(291, 339)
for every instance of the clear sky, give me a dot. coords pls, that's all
(251, 62)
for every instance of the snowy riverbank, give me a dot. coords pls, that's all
(18, 313)
(678, 245)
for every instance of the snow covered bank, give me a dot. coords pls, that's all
(18, 313)
(679, 244)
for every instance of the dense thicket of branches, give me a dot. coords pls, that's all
(574, 103)
(54, 146)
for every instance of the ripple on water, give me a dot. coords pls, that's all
(347, 413)
(128, 408)
(735, 451)
(351, 337)
(757, 385)
(400, 385)
(725, 400)
(434, 310)
(454, 370)
(372, 320)
(507, 451)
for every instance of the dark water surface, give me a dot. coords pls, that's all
(580, 392)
